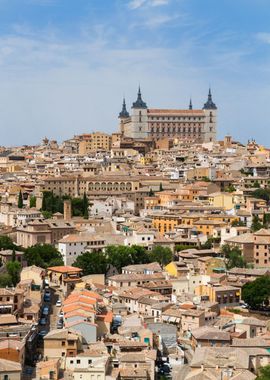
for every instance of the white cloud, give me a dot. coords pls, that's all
(135, 4)
(263, 37)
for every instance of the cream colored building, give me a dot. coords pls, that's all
(94, 141)
(189, 124)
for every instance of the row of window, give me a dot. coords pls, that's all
(175, 118)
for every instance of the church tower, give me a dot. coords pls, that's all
(123, 117)
(139, 119)
(210, 111)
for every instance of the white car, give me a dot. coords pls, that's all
(58, 303)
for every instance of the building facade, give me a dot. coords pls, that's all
(197, 125)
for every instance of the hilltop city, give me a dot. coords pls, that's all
(142, 254)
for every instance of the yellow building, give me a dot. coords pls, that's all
(177, 269)
(206, 227)
(94, 141)
(223, 200)
(165, 223)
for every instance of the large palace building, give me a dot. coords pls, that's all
(197, 125)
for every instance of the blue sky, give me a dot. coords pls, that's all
(66, 64)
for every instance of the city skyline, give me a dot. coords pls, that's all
(65, 66)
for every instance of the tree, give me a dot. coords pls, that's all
(264, 373)
(233, 257)
(257, 292)
(92, 263)
(238, 223)
(139, 255)
(77, 205)
(162, 255)
(13, 269)
(256, 224)
(119, 256)
(33, 201)
(183, 247)
(47, 214)
(85, 206)
(20, 200)
(151, 193)
(7, 243)
(210, 242)
(262, 194)
(256, 184)
(160, 187)
(230, 189)
(5, 280)
(43, 256)
(13, 255)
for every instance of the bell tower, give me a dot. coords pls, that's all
(210, 111)
(139, 119)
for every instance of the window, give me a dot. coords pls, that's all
(63, 343)
(89, 361)
(78, 361)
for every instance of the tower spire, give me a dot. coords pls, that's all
(124, 113)
(190, 104)
(209, 105)
(139, 102)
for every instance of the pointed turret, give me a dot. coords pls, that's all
(209, 105)
(139, 102)
(124, 113)
(190, 105)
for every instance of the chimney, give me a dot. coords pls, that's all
(67, 209)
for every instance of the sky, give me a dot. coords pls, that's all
(65, 65)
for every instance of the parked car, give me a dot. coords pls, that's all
(60, 324)
(58, 303)
(61, 315)
(42, 333)
(43, 321)
(45, 310)
(47, 297)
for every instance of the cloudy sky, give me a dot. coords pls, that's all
(66, 64)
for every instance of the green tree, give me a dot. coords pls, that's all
(206, 179)
(257, 292)
(139, 255)
(230, 189)
(47, 214)
(85, 206)
(266, 220)
(256, 184)
(160, 187)
(13, 269)
(33, 201)
(262, 194)
(13, 255)
(238, 223)
(20, 200)
(256, 224)
(77, 205)
(44, 256)
(119, 256)
(162, 255)
(92, 263)
(5, 280)
(151, 193)
(210, 242)
(264, 373)
(233, 257)
(183, 247)
(7, 243)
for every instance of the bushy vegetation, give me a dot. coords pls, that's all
(119, 256)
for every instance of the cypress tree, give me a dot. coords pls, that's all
(85, 206)
(20, 200)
